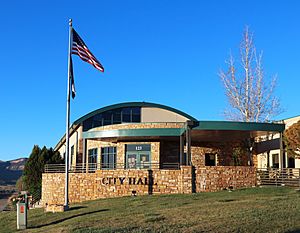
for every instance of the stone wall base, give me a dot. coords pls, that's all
(54, 208)
(120, 182)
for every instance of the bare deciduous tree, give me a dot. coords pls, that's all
(251, 99)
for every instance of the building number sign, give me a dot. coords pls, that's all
(138, 148)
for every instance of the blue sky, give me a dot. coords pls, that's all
(167, 52)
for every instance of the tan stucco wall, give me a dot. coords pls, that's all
(74, 140)
(160, 115)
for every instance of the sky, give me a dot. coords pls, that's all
(166, 52)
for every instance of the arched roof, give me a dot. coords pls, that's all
(132, 104)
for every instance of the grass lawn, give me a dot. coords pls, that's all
(267, 209)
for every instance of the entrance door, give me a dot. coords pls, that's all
(138, 156)
(144, 159)
(131, 161)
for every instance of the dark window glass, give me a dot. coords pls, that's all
(97, 120)
(126, 115)
(210, 159)
(72, 155)
(107, 118)
(136, 111)
(108, 157)
(275, 158)
(92, 153)
(136, 115)
(88, 124)
(116, 116)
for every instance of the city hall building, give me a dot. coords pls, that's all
(141, 148)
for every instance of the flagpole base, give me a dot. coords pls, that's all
(66, 207)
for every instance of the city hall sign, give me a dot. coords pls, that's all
(126, 180)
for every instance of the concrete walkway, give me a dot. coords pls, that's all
(3, 201)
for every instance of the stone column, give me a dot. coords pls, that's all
(83, 153)
(186, 179)
(188, 146)
(181, 149)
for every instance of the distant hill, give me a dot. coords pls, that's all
(10, 171)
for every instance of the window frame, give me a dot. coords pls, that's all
(93, 156)
(109, 152)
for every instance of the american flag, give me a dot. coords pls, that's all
(79, 48)
(72, 79)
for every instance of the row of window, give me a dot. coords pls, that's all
(116, 116)
(134, 159)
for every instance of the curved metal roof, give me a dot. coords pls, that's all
(132, 104)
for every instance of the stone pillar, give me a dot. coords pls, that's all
(87, 158)
(181, 150)
(186, 179)
(83, 153)
(188, 146)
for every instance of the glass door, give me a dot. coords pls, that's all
(144, 159)
(138, 160)
(131, 161)
(138, 156)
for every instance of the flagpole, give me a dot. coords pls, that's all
(66, 204)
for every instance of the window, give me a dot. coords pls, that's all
(275, 158)
(108, 157)
(72, 155)
(92, 153)
(115, 116)
(138, 156)
(210, 159)
(136, 115)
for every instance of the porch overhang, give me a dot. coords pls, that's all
(205, 131)
(224, 131)
(158, 132)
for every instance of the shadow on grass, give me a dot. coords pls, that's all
(76, 208)
(68, 218)
(293, 231)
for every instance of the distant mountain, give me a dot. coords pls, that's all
(10, 171)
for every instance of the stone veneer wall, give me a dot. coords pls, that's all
(113, 183)
(145, 125)
(210, 179)
(224, 154)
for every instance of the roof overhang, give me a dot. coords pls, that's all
(161, 132)
(205, 131)
(133, 104)
(240, 126)
(212, 131)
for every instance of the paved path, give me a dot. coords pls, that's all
(3, 201)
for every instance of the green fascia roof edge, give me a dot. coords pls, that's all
(134, 133)
(132, 104)
(242, 126)
(203, 125)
